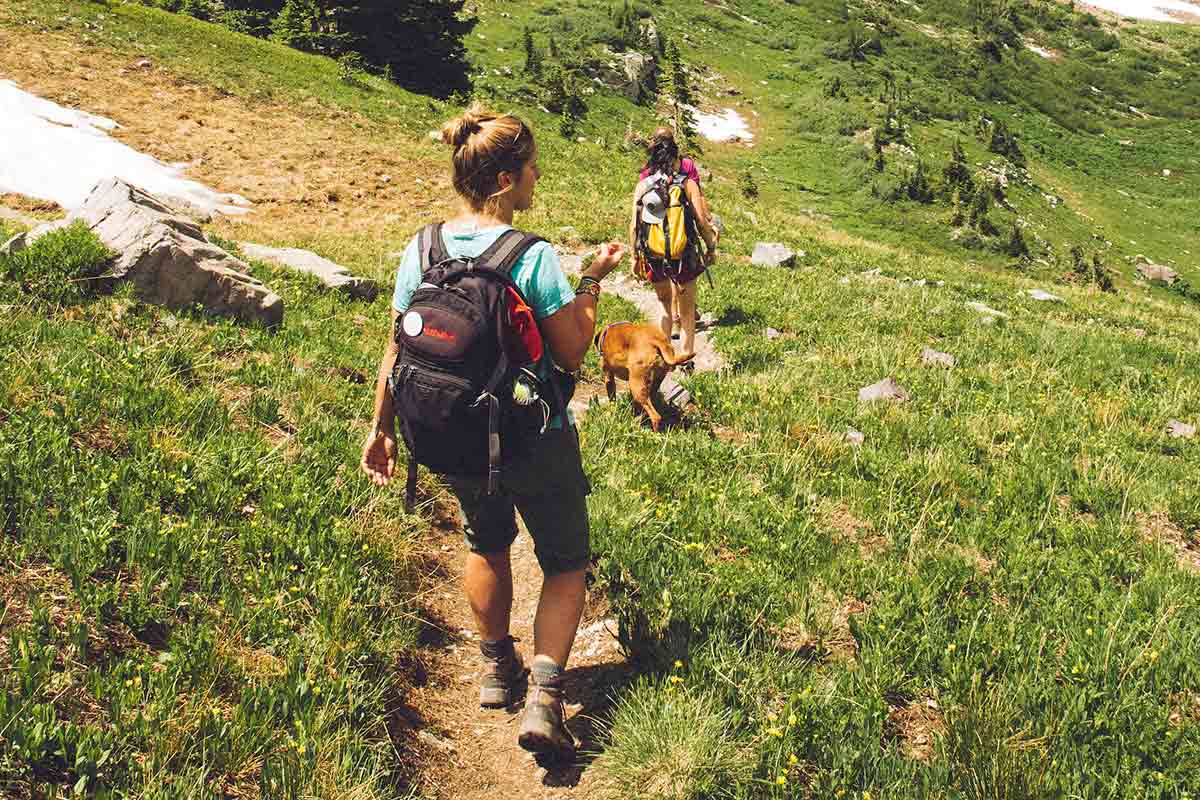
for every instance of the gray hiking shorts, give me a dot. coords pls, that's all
(548, 486)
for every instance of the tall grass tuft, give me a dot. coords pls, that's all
(666, 744)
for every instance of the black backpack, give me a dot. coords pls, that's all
(464, 388)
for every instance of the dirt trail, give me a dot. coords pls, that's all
(472, 753)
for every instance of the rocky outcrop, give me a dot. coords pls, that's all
(165, 255)
(630, 73)
(331, 275)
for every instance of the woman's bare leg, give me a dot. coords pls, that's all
(687, 314)
(666, 299)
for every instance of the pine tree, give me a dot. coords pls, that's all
(981, 203)
(917, 187)
(956, 174)
(533, 58)
(677, 95)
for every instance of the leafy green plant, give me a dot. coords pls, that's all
(63, 267)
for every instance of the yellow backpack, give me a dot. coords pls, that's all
(668, 237)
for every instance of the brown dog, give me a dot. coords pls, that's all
(641, 355)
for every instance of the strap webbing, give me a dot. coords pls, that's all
(432, 246)
(504, 253)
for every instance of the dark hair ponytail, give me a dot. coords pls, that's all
(662, 156)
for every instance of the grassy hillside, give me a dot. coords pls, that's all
(994, 596)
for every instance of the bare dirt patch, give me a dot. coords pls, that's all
(847, 527)
(914, 727)
(31, 205)
(1158, 528)
(305, 168)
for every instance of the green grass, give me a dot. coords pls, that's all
(201, 595)
(997, 562)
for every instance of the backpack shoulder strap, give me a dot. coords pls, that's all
(506, 251)
(432, 246)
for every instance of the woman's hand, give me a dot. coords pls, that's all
(379, 457)
(608, 256)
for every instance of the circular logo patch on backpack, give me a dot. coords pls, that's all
(413, 324)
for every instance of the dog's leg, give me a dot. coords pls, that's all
(610, 384)
(640, 387)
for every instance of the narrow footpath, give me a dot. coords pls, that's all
(469, 753)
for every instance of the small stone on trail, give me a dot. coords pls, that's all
(145, 63)
(772, 254)
(1038, 294)
(773, 334)
(886, 389)
(855, 438)
(934, 358)
(1180, 430)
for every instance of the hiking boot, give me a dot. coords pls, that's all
(542, 730)
(504, 673)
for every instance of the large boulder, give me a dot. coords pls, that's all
(166, 256)
(630, 73)
(772, 254)
(330, 274)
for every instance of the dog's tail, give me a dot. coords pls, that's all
(668, 354)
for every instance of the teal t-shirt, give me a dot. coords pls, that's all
(538, 275)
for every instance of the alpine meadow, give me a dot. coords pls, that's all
(928, 528)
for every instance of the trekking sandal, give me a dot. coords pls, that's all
(504, 673)
(542, 730)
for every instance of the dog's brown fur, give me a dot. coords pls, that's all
(641, 355)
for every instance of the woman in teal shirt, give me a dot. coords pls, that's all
(495, 172)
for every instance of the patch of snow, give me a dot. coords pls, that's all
(724, 127)
(1156, 10)
(56, 153)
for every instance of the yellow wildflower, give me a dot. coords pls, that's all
(781, 780)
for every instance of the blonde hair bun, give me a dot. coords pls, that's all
(458, 131)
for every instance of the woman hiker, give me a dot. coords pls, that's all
(495, 165)
(688, 167)
(673, 281)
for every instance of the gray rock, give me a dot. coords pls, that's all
(855, 438)
(773, 334)
(331, 275)
(1157, 272)
(935, 358)
(987, 311)
(886, 389)
(1180, 430)
(1042, 296)
(629, 73)
(166, 256)
(772, 254)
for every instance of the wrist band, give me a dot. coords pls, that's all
(588, 285)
